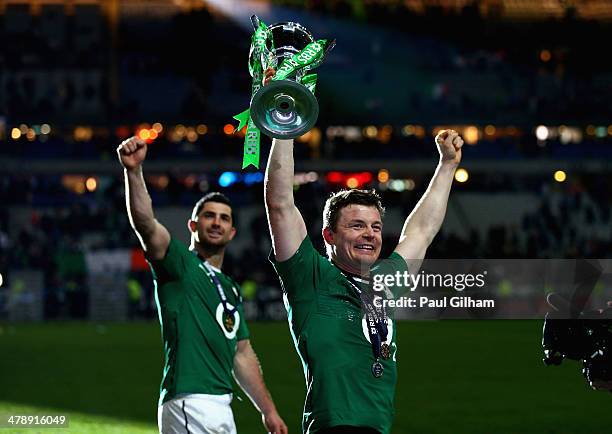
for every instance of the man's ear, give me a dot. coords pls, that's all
(328, 235)
(191, 225)
(232, 233)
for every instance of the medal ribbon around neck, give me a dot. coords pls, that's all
(215, 280)
(376, 317)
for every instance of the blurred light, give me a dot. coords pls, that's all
(334, 131)
(163, 182)
(122, 132)
(419, 131)
(397, 185)
(576, 135)
(158, 127)
(203, 186)
(385, 133)
(409, 184)
(370, 131)
(45, 129)
(91, 184)
(228, 129)
(152, 134)
(470, 134)
(541, 132)
(545, 55)
(305, 178)
(408, 130)
(192, 136)
(180, 131)
(610, 130)
(489, 130)
(383, 175)
(315, 136)
(601, 132)
(23, 128)
(201, 129)
(436, 130)
(461, 175)
(15, 133)
(253, 178)
(560, 176)
(175, 137)
(352, 182)
(512, 131)
(79, 188)
(590, 130)
(227, 178)
(144, 134)
(335, 177)
(1, 279)
(351, 134)
(82, 134)
(565, 134)
(31, 135)
(304, 137)
(189, 181)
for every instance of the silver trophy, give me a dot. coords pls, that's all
(287, 108)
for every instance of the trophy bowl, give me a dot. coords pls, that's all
(284, 109)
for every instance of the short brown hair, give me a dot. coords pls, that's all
(214, 196)
(344, 198)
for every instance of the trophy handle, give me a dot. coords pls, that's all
(331, 45)
(255, 21)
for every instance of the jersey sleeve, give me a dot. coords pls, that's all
(173, 265)
(300, 274)
(243, 329)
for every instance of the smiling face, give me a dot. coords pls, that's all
(214, 226)
(356, 241)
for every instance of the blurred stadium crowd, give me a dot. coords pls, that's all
(76, 79)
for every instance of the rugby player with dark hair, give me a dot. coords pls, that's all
(349, 358)
(204, 331)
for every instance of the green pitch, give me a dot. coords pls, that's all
(455, 377)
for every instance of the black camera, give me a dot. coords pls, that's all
(585, 336)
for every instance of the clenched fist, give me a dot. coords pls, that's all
(449, 146)
(132, 152)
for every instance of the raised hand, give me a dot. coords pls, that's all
(132, 152)
(449, 146)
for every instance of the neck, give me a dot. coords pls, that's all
(212, 254)
(351, 269)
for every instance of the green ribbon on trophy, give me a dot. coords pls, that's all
(285, 108)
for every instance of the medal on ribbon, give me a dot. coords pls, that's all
(228, 321)
(376, 320)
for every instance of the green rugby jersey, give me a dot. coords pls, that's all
(329, 331)
(198, 351)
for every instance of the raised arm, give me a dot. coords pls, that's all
(248, 375)
(153, 237)
(425, 220)
(286, 224)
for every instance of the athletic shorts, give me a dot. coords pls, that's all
(197, 414)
